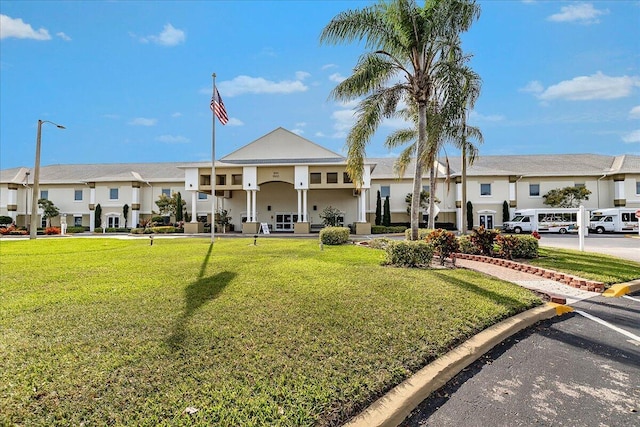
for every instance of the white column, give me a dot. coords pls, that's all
(92, 213)
(194, 206)
(304, 206)
(135, 199)
(254, 215)
(512, 191)
(13, 200)
(363, 211)
(299, 205)
(249, 211)
(135, 218)
(459, 219)
(618, 190)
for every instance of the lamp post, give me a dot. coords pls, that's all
(26, 199)
(33, 230)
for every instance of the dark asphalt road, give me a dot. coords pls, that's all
(569, 371)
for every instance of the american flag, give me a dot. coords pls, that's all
(217, 106)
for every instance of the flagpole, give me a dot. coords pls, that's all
(213, 166)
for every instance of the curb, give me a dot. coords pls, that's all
(621, 289)
(392, 408)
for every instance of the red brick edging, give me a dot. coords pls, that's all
(567, 279)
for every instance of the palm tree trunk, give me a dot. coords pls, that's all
(464, 186)
(417, 177)
(432, 194)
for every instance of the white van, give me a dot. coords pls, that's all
(614, 220)
(558, 220)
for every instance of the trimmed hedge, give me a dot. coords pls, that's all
(422, 233)
(409, 253)
(334, 235)
(381, 229)
(527, 247)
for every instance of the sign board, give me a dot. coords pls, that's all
(264, 227)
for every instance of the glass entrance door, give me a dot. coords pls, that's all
(486, 221)
(285, 221)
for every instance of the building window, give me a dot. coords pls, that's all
(485, 189)
(113, 222)
(44, 194)
(346, 178)
(77, 195)
(426, 189)
(579, 185)
(77, 221)
(534, 190)
(221, 179)
(202, 196)
(166, 192)
(315, 178)
(637, 188)
(236, 179)
(205, 179)
(385, 191)
(113, 194)
(332, 177)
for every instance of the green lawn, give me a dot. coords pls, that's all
(588, 265)
(118, 332)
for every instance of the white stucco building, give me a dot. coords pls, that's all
(286, 181)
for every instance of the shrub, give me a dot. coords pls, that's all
(527, 247)
(422, 233)
(52, 230)
(379, 243)
(444, 243)
(5, 220)
(381, 229)
(483, 239)
(334, 235)
(76, 229)
(466, 246)
(138, 230)
(506, 245)
(167, 229)
(409, 253)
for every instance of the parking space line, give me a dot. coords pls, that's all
(631, 298)
(609, 325)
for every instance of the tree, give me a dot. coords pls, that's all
(222, 218)
(97, 221)
(125, 213)
(386, 216)
(179, 207)
(330, 216)
(469, 215)
(506, 216)
(378, 209)
(169, 205)
(49, 210)
(409, 46)
(568, 197)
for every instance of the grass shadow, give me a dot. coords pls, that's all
(197, 294)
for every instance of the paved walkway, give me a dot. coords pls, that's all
(527, 280)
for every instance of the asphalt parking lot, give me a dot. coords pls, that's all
(624, 246)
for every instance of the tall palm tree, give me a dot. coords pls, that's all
(408, 44)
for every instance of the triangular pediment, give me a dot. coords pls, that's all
(282, 146)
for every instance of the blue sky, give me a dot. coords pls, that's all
(131, 80)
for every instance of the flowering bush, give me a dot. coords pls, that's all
(536, 235)
(444, 243)
(52, 230)
(484, 240)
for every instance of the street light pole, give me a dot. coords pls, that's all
(27, 218)
(33, 230)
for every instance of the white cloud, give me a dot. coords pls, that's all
(583, 13)
(337, 77)
(632, 137)
(63, 36)
(173, 139)
(176, 114)
(343, 119)
(170, 36)
(474, 115)
(300, 124)
(111, 116)
(532, 87)
(234, 122)
(257, 85)
(301, 75)
(319, 135)
(635, 112)
(141, 121)
(597, 86)
(328, 66)
(17, 28)
(297, 131)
